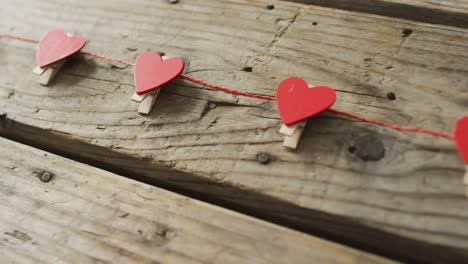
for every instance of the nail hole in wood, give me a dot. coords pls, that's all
(314, 23)
(406, 32)
(270, 7)
(263, 158)
(46, 176)
(247, 69)
(391, 96)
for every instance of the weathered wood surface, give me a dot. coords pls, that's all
(447, 12)
(353, 182)
(87, 215)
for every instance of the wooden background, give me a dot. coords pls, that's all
(395, 194)
(86, 215)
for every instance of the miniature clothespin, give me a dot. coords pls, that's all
(461, 139)
(48, 72)
(52, 52)
(146, 101)
(292, 134)
(465, 181)
(297, 101)
(152, 72)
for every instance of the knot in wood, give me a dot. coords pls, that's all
(368, 148)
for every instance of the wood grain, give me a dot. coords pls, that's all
(451, 12)
(87, 215)
(352, 182)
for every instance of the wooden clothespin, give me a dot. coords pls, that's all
(293, 134)
(297, 101)
(146, 101)
(465, 181)
(54, 48)
(152, 72)
(47, 73)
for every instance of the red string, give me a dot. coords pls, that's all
(227, 90)
(106, 58)
(8, 36)
(258, 96)
(393, 126)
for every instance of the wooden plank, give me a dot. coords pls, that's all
(447, 12)
(86, 215)
(352, 182)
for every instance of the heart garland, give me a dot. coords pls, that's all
(295, 100)
(56, 45)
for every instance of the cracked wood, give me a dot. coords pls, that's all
(87, 215)
(205, 142)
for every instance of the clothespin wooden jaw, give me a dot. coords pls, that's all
(47, 73)
(148, 100)
(292, 134)
(465, 181)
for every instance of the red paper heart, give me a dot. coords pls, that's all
(461, 137)
(56, 45)
(152, 72)
(296, 101)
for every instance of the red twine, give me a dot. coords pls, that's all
(258, 96)
(394, 126)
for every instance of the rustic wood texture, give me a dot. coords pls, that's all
(357, 183)
(86, 215)
(447, 12)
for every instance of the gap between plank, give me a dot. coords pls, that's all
(396, 10)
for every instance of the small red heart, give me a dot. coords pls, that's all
(461, 137)
(296, 101)
(56, 45)
(152, 72)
